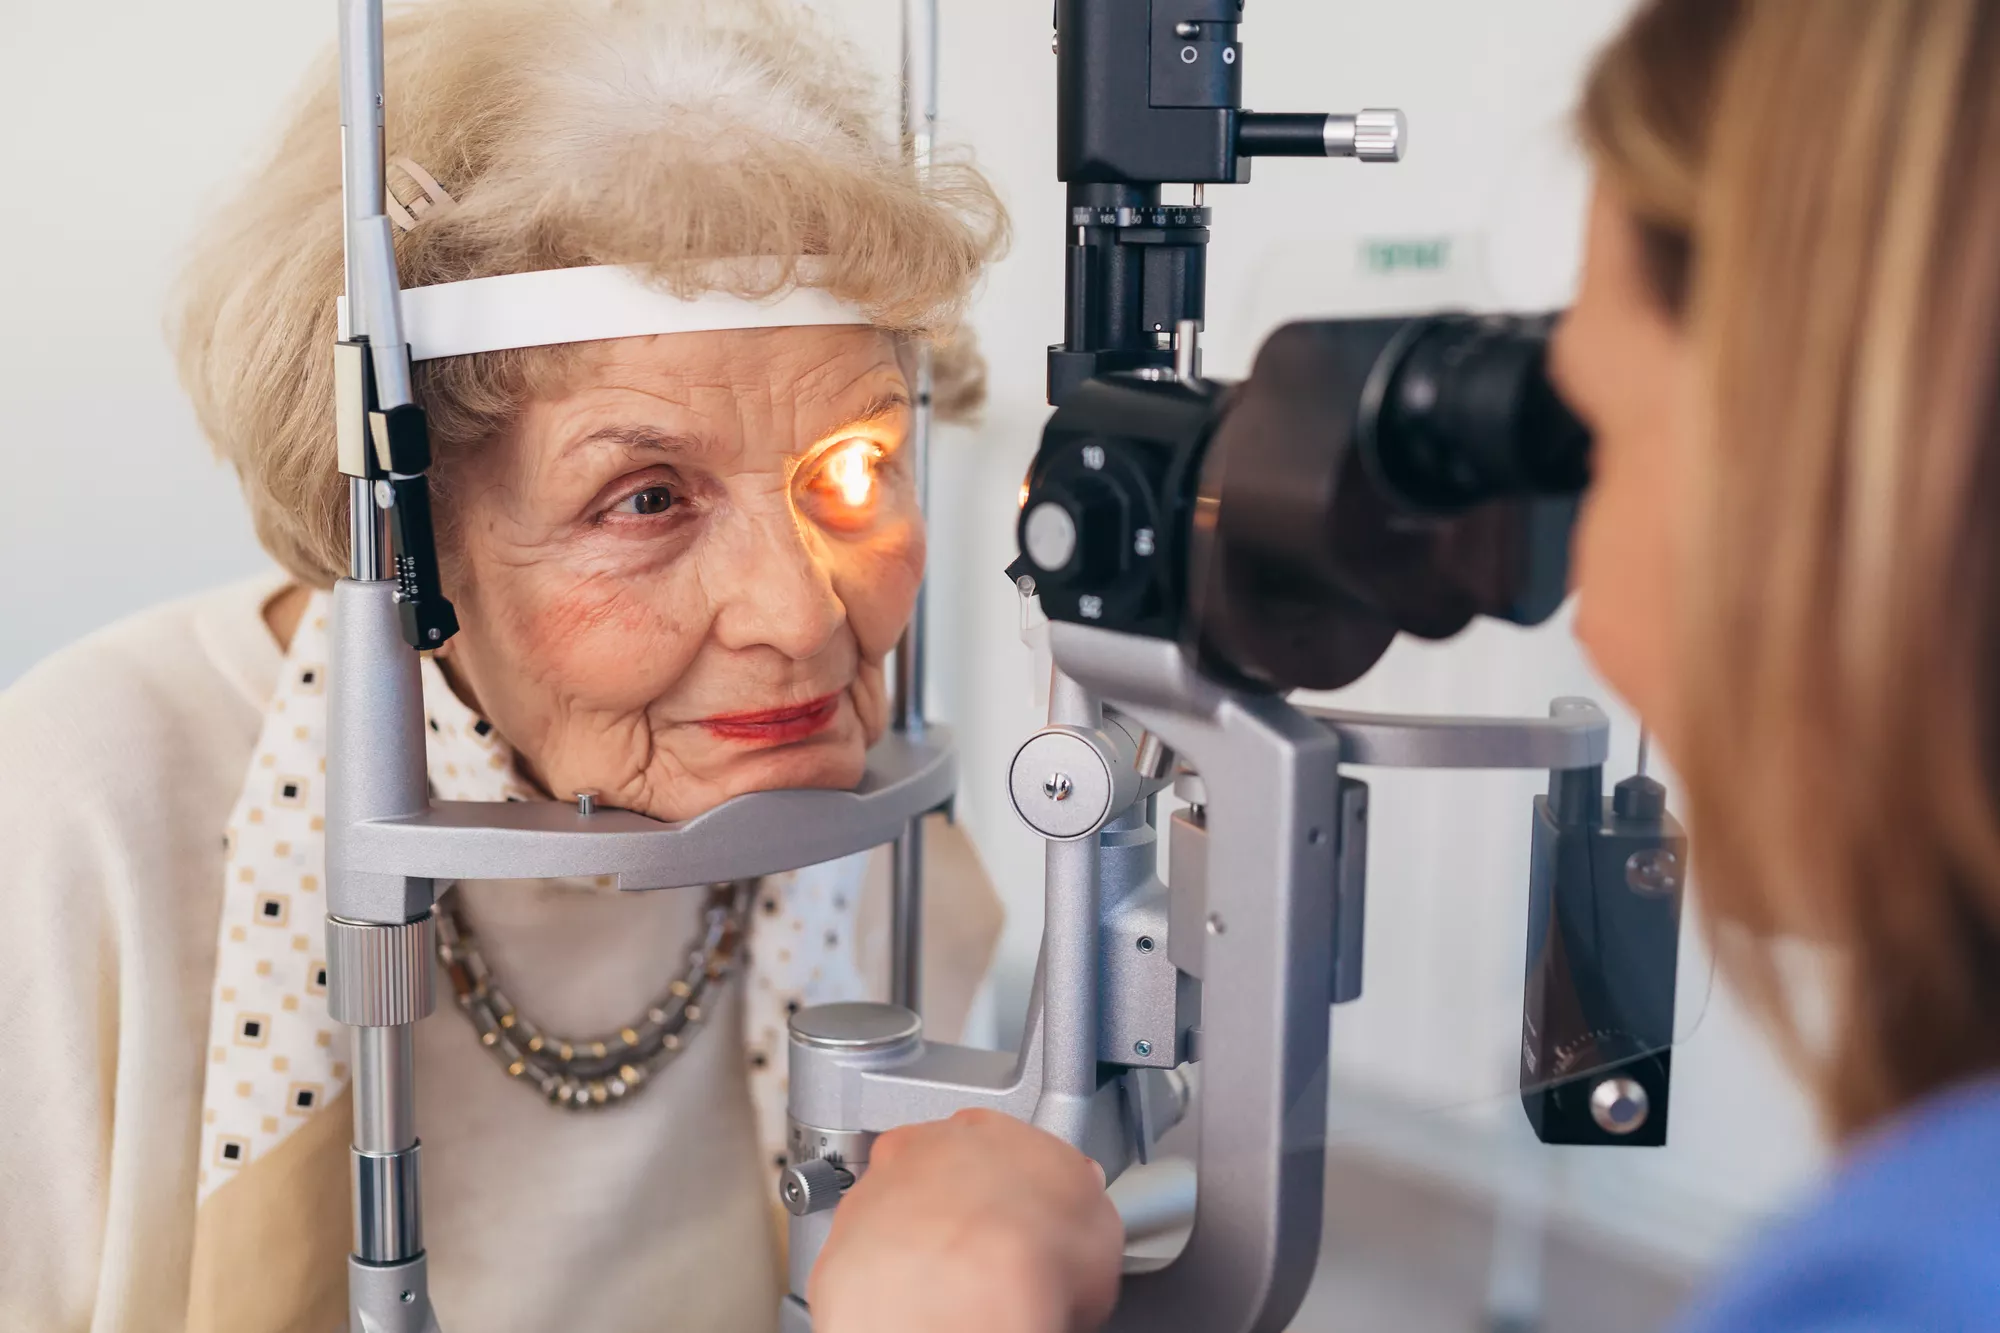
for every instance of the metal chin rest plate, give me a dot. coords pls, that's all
(762, 833)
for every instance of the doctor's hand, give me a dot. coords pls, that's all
(976, 1224)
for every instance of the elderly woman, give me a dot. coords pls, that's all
(679, 562)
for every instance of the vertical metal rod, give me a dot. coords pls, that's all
(1069, 954)
(906, 873)
(384, 1087)
(387, 1281)
(906, 907)
(363, 192)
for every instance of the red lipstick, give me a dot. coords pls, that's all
(775, 726)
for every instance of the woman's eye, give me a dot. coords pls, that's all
(844, 481)
(652, 500)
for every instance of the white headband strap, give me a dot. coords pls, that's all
(573, 305)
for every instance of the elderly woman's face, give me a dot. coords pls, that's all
(678, 580)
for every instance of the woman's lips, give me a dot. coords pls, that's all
(775, 726)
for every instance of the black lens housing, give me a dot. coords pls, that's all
(1370, 477)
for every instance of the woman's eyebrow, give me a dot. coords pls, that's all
(634, 436)
(888, 403)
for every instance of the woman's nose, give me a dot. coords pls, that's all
(772, 590)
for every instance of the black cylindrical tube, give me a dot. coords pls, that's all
(1288, 134)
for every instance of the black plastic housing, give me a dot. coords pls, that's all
(1603, 952)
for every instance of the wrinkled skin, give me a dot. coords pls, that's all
(659, 569)
(1623, 363)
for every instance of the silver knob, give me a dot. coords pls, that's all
(812, 1186)
(1375, 135)
(1050, 536)
(1380, 135)
(1620, 1106)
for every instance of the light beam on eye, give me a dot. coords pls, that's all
(850, 470)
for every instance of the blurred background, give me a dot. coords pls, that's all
(122, 120)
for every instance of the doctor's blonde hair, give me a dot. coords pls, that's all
(1818, 186)
(656, 133)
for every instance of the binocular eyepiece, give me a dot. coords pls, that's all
(1459, 410)
(1370, 477)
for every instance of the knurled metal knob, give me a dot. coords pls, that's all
(1380, 135)
(812, 1186)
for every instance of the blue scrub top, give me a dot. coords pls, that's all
(1904, 1239)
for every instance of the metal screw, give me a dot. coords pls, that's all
(1216, 925)
(1142, 1048)
(1057, 787)
(1655, 870)
(409, 1298)
(1619, 1106)
(1185, 29)
(1145, 944)
(586, 802)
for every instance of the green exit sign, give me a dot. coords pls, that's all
(1409, 255)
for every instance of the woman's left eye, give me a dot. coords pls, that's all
(845, 476)
(652, 500)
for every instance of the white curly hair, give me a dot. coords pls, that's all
(657, 133)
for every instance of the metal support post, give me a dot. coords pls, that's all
(906, 908)
(380, 932)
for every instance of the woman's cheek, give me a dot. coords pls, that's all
(877, 582)
(1622, 561)
(870, 693)
(604, 642)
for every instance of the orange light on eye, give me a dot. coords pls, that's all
(850, 472)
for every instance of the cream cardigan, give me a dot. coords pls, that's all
(121, 759)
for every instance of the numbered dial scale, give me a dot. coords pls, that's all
(1109, 504)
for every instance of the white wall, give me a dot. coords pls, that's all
(120, 119)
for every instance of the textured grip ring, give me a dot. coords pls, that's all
(381, 976)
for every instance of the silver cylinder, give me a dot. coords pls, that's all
(365, 538)
(362, 186)
(906, 936)
(385, 1089)
(906, 871)
(380, 975)
(388, 1214)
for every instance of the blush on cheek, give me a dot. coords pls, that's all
(879, 589)
(600, 640)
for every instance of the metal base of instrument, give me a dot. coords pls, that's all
(389, 1298)
(1266, 913)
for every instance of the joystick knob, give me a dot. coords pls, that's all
(812, 1186)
